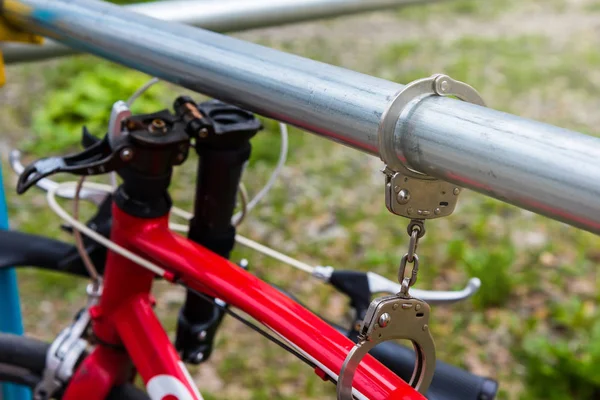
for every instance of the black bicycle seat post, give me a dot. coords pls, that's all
(223, 147)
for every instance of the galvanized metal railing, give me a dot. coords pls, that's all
(536, 166)
(223, 16)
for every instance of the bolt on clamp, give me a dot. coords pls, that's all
(66, 350)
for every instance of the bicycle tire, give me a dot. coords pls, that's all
(23, 359)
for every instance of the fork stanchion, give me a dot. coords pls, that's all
(10, 307)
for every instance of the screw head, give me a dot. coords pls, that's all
(202, 335)
(158, 124)
(180, 157)
(437, 211)
(403, 196)
(444, 86)
(203, 132)
(456, 191)
(384, 320)
(417, 307)
(126, 154)
(395, 306)
(199, 357)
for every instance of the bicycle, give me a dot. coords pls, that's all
(133, 223)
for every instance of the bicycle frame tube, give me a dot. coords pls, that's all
(100, 371)
(124, 316)
(152, 352)
(10, 306)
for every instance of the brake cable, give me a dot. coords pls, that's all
(79, 226)
(246, 207)
(250, 325)
(238, 218)
(85, 257)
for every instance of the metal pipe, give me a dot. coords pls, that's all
(539, 167)
(542, 168)
(10, 307)
(221, 16)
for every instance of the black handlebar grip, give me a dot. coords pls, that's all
(449, 382)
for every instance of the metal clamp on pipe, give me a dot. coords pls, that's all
(408, 192)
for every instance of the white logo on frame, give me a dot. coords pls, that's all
(162, 386)
(190, 380)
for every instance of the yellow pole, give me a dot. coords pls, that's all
(9, 33)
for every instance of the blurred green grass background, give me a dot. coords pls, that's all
(534, 326)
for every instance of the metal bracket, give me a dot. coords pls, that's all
(419, 198)
(66, 350)
(390, 318)
(10, 34)
(408, 192)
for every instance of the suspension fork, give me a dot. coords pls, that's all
(223, 146)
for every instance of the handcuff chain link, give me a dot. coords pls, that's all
(416, 230)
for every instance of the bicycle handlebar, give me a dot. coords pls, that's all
(449, 382)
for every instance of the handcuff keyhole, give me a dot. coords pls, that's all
(380, 335)
(420, 315)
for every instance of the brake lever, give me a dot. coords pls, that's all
(375, 283)
(92, 195)
(97, 159)
(380, 284)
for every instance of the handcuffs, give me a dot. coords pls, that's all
(411, 194)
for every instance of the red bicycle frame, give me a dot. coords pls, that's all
(124, 319)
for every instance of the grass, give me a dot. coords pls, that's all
(500, 68)
(468, 8)
(534, 324)
(593, 6)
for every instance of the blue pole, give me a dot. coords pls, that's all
(10, 307)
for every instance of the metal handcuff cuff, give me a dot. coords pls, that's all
(415, 195)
